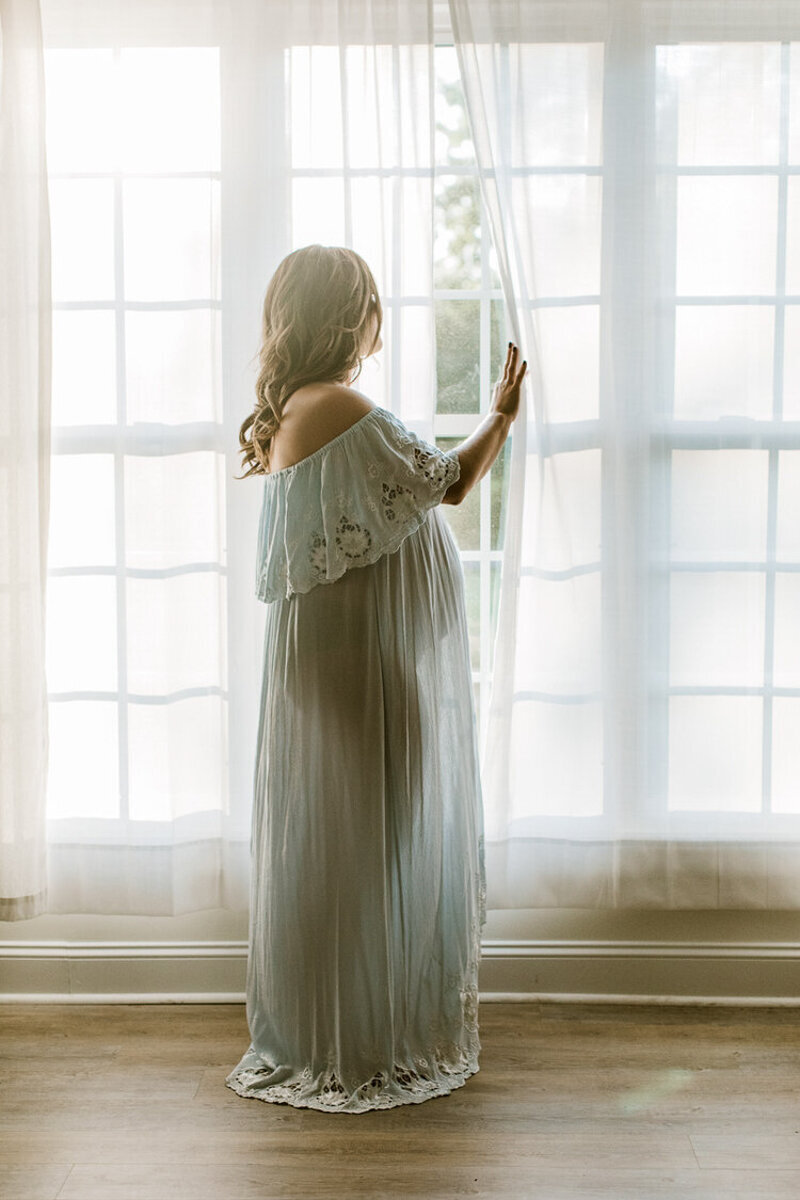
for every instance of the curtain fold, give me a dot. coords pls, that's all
(638, 165)
(194, 146)
(360, 84)
(25, 364)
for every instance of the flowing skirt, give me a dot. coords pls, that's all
(368, 881)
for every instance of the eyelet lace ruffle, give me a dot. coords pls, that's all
(354, 500)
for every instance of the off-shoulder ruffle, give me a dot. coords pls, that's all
(355, 499)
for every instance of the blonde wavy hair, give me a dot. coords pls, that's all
(317, 313)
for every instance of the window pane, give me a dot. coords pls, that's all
(82, 231)
(715, 753)
(793, 239)
(791, 364)
(84, 368)
(556, 759)
(369, 196)
(785, 754)
(171, 239)
(173, 366)
(174, 508)
(562, 123)
(81, 633)
(415, 369)
(569, 347)
(453, 141)
(316, 114)
(82, 511)
(563, 530)
(174, 632)
(170, 118)
(788, 533)
(458, 355)
(561, 214)
(723, 361)
(80, 90)
(717, 629)
(317, 212)
(794, 104)
(559, 638)
(727, 231)
(712, 520)
(393, 127)
(404, 205)
(786, 659)
(728, 101)
(177, 758)
(83, 764)
(412, 215)
(457, 239)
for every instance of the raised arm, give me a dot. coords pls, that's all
(477, 453)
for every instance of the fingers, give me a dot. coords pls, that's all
(511, 357)
(510, 371)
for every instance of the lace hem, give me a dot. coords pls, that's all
(403, 1085)
(447, 1067)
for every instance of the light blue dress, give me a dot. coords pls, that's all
(368, 881)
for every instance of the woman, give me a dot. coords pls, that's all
(368, 886)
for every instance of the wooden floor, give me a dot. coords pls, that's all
(128, 1102)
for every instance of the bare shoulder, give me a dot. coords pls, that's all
(335, 397)
(312, 417)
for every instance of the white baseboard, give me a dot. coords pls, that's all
(123, 998)
(484, 998)
(596, 972)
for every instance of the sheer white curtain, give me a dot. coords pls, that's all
(24, 460)
(361, 169)
(640, 168)
(192, 146)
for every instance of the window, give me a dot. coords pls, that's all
(137, 682)
(691, 709)
(729, 134)
(139, 695)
